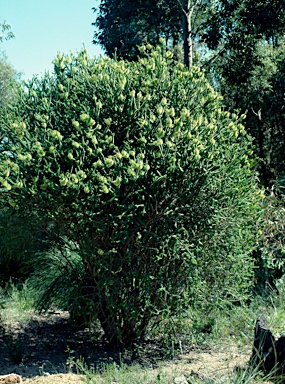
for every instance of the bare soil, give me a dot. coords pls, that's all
(44, 350)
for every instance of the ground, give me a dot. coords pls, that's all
(44, 351)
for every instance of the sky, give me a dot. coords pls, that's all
(43, 28)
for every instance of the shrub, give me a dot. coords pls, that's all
(20, 239)
(271, 250)
(138, 165)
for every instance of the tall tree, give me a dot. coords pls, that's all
(8, 78)
(193, 14)
(249, 72)
(122, 25)
(8, 75)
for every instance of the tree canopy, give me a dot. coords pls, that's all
(125, 25)
(8, 79)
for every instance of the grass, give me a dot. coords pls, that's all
(123, 374)
(16, 306)
(16, 303)
(111, 374)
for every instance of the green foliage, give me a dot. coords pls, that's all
(240, 43)
(247, 66)
(17, 303)
(8, 75)
(5, 32)
(136, 374)
(254, 82)
(123, 374)
(139, 167)
(20, 239)
(60, 281)
(9, 79)
(122, 26)
(271, 251)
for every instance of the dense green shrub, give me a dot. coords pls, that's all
(137, 165)
(20, 239)
(271, 250)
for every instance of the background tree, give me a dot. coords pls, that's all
(9, 78)
(249, 72)
(125, 25)
(8, 75)
(17, 236)
(194, 14)
(141, 174)
(6, 33)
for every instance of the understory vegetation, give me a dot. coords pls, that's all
(228, 331)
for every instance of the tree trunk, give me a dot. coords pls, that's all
(188, 21)
(187, 33)
(120, 332)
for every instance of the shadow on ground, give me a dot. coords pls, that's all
(50, 344)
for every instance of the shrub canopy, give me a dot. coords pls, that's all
(139, 166)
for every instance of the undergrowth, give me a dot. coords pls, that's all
(135, 374)
(218, 329)
(16, 302)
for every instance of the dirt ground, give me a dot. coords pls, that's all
(43, 351)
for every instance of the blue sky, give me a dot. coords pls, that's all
(42, 28)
